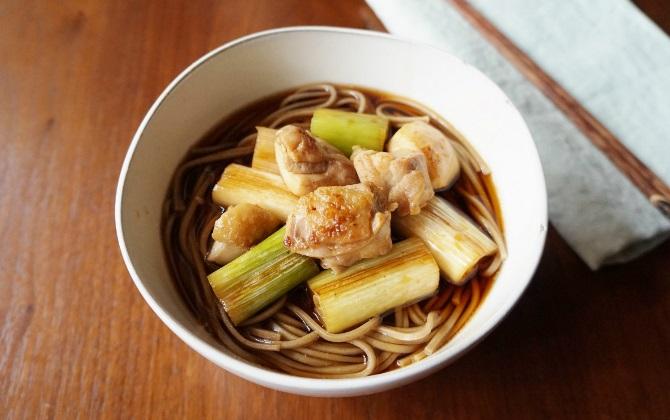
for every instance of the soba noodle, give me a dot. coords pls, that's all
(285, 336)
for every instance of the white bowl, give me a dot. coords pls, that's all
(260, 64)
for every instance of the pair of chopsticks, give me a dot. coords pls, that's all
(639, 174)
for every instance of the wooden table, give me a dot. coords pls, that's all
(77, 339)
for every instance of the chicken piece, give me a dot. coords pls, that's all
(306, 162)
(238, 228)
(441, 158)
(404, 177)
(340, 225)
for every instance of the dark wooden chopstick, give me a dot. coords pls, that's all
(638, 173)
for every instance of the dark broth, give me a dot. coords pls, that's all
(231, 129)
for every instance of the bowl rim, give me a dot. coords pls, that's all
(314, 386)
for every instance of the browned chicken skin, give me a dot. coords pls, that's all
(403, 176)
(240, 227)
(339, 225)
(306, 162)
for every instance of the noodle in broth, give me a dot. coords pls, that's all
(287, 335)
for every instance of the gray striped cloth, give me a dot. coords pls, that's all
(615, 62)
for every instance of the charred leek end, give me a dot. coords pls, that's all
(241, 184)
(457, 244)
(264, 151)
(345, 130)
(260, 276)
(371, 287)
(223, 252)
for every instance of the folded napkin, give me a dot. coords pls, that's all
(596, 209)
(609, 56)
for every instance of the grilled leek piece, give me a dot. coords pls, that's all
(264, 151)
(241, 184)
(457, 244)
(372, 287)
(260, 276)
(345, 130)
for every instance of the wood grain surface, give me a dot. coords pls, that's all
(78, 341)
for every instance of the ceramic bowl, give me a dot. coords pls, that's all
(255, 66)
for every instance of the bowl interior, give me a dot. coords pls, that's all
(261, 64)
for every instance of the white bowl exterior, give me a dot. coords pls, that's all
(250, 68)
